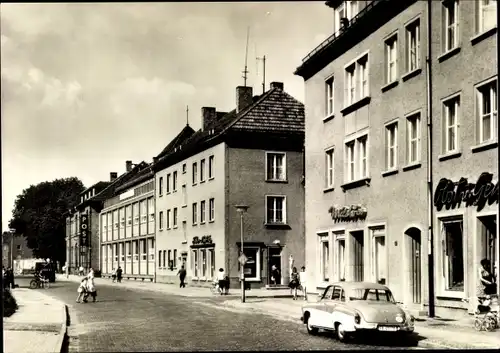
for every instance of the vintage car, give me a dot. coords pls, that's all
(348, 308)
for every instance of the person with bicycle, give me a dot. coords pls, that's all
(223, 282)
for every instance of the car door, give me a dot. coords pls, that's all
(322, 315)
(331, 305)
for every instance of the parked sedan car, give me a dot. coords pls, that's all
(348, 308)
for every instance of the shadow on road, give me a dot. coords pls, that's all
(378, 339)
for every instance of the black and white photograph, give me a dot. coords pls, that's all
(250, 176)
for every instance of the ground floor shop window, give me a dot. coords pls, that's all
(340, 239)
(379, 255)
(144, 250)
(252, 267)
(211, 258)
(194, 262)
(115, 252)
(122, 252)
(136, 250)
(453, 254)
(151, 249)
(164, 259)
(488, 238)
(324, 257)
(175, 258)
(203, 258)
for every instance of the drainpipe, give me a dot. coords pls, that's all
(430, 219)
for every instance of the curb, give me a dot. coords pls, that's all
(64, 329)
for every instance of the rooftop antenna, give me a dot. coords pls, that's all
(187, 115)
(245, 72)
(263, 73)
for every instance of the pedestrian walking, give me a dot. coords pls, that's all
(81, 271)
(119, 273)
(303, 281)
(113, 275)
(91, 290)
(182, 277)
(294, 282)
(275, 275)
(82, 290)
(223, 282)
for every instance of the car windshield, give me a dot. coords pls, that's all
(371, 294)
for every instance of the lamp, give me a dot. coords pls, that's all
(241, 210)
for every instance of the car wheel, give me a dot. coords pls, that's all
(33, 284)
(310, 329)
(342, 336)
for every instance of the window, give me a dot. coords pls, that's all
(363, 157)
(450, 125)
(379, 255)
(170, 262)
(164, 258)
(159, 259)
(211, 210)
(122, 252)
(356, 81)
(391, 143)
(211, 255)
(329, 97)
(136, 213)
(195, 213)
(184, 168)
(174, 220)
(168, 183)
(391, 52)
(486, 15)
(129, 250)
(160, 186)
(174, 181)
(341, 264)
(202, 211)
(144, 211)
(151, 209)
(276, 166)
(276, 209)
(210, 167)
(194, 262)
(252, 267)
(413, 138)
(115, 221)
(136, 250)
(128, 212)
(203, 258)
(324, 256)
(168, 219)
(160, 216)
(175, 258)
(450, 25)
(357, 158)
(488, 238)
(453, 255)
(121, 212)
(202, 170)
(487, 112)
(144, 253)
(184, 195)
(347, 10)
(195, 173)
(329, 168)
(115, 251)
(350, 160)
(413, 46)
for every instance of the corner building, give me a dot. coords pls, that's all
(252, 155)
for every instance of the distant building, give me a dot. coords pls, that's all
(252, 155)
(14, 248)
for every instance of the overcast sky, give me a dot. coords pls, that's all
(86, 87)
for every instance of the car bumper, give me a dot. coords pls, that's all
(375, 327)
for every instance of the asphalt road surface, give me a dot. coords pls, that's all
(125, 320)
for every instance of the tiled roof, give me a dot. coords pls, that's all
(185, 133)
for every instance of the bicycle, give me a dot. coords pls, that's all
(214, 288)
(39, 282)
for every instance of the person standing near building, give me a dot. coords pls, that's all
(303, 281)
(294, 282)
(81, 271)
(182, 277)
(119, 272)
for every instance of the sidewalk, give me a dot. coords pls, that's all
(189, 291)
(38, 325)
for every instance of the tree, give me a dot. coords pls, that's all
(39, 215)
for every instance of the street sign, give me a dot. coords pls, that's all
(243, 259)
(84, 230)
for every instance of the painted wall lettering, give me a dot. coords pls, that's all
(347, 213)
(451, 195)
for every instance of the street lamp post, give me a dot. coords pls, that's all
(242, 209)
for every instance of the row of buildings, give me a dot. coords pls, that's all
(390, 175)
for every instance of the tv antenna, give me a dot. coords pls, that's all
(187, 115)
(263, 73)
(245, 72)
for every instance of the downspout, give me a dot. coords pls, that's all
(430, 219)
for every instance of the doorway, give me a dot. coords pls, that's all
(274, 260)
(414, 254)
(358, 245)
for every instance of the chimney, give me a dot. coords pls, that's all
(208, 116)
(113, 176)
(128, 166)
(278, 85)
(244, 97)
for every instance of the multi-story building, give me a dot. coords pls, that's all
(15, 251)
(127, 224)
(250, 156)
(370, 99)
(82, 229)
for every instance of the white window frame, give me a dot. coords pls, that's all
(151, 209)
(202, 170)
(161, 220)
(195, 259)
(364, 78)
(274, 197)
(379, 232)
(350, 82)
(340, 271)
(329, 97)
(446, 219)
(169, 212)
(330, 167)
(357, 79)
(211, 210)
(203, 207)
(354, 157)
(350, 157)
(412, 29)
(195, 173)
(174, 181)
(455, 127)
(257, 260)
(211, 167)
(128, 213)
(136, 209)
(160, 186)
(409, 139)
(194, 213)
(363, 156)
(350, 8)
(492, 91)
(174, 217)
(211, 263)
(324, 238)
(480, 10)
(273, 155)
(455, 26)
(391, 129)
(391, 67)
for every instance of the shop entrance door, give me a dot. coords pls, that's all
(274, 260)
(414, 253)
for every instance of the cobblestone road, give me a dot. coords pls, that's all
(133, 320)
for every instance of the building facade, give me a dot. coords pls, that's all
(368, 203)
(252, 156)
(127, 224)
(15, 252)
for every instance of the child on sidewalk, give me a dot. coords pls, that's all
(82, 289)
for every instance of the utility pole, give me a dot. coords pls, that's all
(263, 73)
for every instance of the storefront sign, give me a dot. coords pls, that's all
(451, 195)
(84, 230)
(206, 239)
(347, 213)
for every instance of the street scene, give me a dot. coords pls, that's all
(188, 176)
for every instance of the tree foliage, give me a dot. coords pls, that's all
(39, 215)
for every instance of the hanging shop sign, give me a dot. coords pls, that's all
(204, 240)
(451, 194)
(350, 213)
(84, 230)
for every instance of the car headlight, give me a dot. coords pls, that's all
(400, 318)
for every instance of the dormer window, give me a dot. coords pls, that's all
(344, 13)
